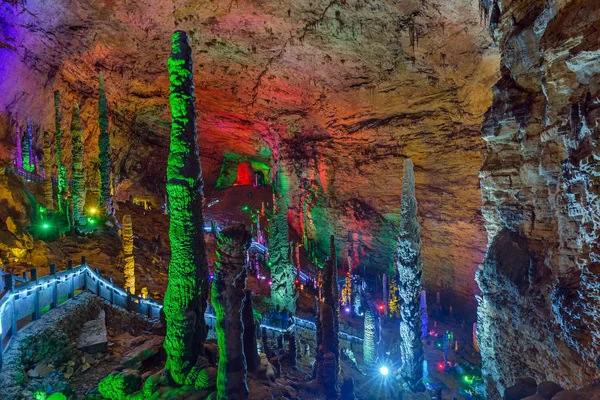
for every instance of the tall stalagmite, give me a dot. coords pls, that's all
(48, 170)
(283, 294)
(369, 338)
(61, 170)
(227, 299)
(187, 289)
(330, 297)
(128, 260)
(104, 149)
(77, 169)
(408, 264)
(251, 327)
(19, 145)
(27, 148)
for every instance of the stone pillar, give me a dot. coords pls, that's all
(369, 349)
(78, 169)
(128, 260)
(250, 329)
(227, 296)
(49, 197)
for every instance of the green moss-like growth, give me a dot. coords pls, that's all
(104, 149)
(61, 170)
(408, 264)
(119, 386)
(27, 149)
(187, 289)
(77, 170)
(283, 290)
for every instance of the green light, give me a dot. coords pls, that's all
(468, 380)
(46, 226)
(42, 209)
(246, 208)
(91, 221)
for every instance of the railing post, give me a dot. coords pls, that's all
(36, 295)
(54, 303)
(83, 260)
(149, 306)
(98, 282)
(25, 276)
(10, 284)
(71, 280)
(112, 291)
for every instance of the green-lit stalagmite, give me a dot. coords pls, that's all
(48, 170)
(27, 149)
(187, 289)
(128, 260)
(251, 329)
(283, 294)
(61, 170)
(227, 297)
(104, 149)
(77, 169)
(408, 264)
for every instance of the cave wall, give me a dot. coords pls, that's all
(340, 92)
(538, 311)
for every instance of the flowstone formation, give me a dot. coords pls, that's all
(187, 289)
(408, 265)
(227, 298)
(539, 282)
(77, 169)
(27, 148)
(283, 291)
(128, 260)
(104, 149)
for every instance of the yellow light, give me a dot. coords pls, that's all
(93, 210)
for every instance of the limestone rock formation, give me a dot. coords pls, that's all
(227, 298)
(104, 149)
(540, 281)
(409, 269)
(369, 338)
(251, 328)
(77, 169)
(128, 259)
(187, 289)
(48, 192)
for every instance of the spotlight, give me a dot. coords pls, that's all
(384, 370)
(93, 211)
(46, 225)
(270, 283)
(347, 309)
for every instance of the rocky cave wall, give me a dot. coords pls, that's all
(538, 312)
(340, 91)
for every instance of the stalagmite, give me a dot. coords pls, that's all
(61, 170)
(408, 264)
(369, 337)
(128, 260)
(394, 300)
(330, 297)
(227, 299)
(327, 370)
(104, 150)
(18, 145)
(27, 148)
(77, 169)
(250, 330)
(48, 170)
(283, 293)
(187, 288)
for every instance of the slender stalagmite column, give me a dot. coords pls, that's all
(78, 169)
(61, 171)
(128, 260)
(19, 143)
(227, 299)
(330, 297)
(187, 289)
(369, 337)
(104, 149)
(27, 148)
(250, 331)
(48, 169)
(408, 264)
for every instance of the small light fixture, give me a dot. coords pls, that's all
(383, 370)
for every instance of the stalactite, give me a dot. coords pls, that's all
(369, 337)
(128, 260)
(77, 169)
(61, 170)
(187, 288)
(227, 298)
(48, 170)
(104, 149)
(408, 264)
(250, 329)
(27, 148)
(283, 293)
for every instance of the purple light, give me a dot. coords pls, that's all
(212, 276)
(270, 283)
(347, 309)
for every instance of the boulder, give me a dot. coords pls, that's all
(525, 387)
(41, 371)
(135, 357)
(567, 395)
(93, 337)
(548, 389)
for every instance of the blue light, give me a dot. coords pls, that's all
(384, 370)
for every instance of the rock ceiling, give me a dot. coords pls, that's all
(339, 91)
